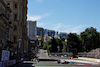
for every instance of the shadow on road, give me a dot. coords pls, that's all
(48, 60)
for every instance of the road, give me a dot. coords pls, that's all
(49, 63)
(43, 54)
(45, 62)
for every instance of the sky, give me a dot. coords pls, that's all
(65, 15)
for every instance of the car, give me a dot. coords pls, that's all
(62, 62)
(58, 61)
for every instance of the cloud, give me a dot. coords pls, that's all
(75, 29)
(37, 17)
(57, 26)
(40, 24)
(34, 18)
(67, 28)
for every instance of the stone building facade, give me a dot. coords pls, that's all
(4, 25)
(18, 32)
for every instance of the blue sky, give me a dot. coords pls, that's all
(65, 15)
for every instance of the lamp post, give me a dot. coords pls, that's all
(19, 43)
(58, 48)
(18, 46)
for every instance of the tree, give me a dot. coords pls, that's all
(45, 46)
(64, 46)
(52, 45)
(74, 42)
(90, 38)
(40, 42)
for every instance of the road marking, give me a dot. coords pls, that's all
(33, 65)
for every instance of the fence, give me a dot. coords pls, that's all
(67, 54)
(95, 53)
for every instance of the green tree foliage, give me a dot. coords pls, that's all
(74, 42)
(52, 45)
(86, 41)
(64, 46)
(90, 39)
(45, 46)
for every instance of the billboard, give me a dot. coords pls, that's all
(5, 55)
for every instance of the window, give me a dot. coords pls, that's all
(15, 5)
(8, 3)
(15, 17)
(15, 39)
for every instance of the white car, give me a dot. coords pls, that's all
(62, 61)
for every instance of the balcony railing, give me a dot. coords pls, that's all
(4, 16)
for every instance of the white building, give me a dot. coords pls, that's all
(31, 30)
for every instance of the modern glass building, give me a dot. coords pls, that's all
(51, 33)
(40, 31)
(45, 31)
(62, 35)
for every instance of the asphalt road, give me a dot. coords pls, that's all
(48, 63)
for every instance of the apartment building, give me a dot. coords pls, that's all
(31, 32)
(4, 25)
(31, 29)
(18, 32)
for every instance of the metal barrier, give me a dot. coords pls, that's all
(67, 54)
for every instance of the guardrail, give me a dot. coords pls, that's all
(67, 54)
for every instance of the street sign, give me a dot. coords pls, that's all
(32, 41)
(5, 55)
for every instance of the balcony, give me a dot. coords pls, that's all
(3, 16)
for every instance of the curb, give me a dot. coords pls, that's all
(85, 64)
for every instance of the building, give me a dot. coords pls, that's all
(31, 32)
(62, 35)
(31, 29)
(40, 31)
(49, 32)
(47, 38)
(4, 25)
(18, 32)
(24, 26)
(45, 32)
(56, 35)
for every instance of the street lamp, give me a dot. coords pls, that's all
(19, 42)
(58, 48)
